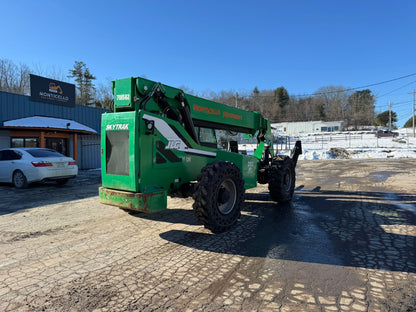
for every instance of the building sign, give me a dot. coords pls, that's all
(51, 91)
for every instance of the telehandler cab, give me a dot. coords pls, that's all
(161, 141)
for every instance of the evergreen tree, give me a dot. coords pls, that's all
(362, 108)
(84, 81)
(409, 123)
(321, 111)
(382, 119)
(281, 97)
(281, 100)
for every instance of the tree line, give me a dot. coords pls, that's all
(331, 103)
(14, 78)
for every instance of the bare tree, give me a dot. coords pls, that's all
(103, 96)
(54, 72)
(334, 101)
(14, 78)
(187, 90)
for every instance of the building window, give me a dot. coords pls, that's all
(24, 142)
(324, 129)
(58, 144)
(31, 142)
(18, 142)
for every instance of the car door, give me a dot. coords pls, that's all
(7, 164)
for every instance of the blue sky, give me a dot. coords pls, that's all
(224, 45)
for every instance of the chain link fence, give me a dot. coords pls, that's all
(344, 140)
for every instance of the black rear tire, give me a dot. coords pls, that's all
(219, 196)
(19, 179)
(282, 179)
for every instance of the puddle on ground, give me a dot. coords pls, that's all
(380, 176)
(394, 200)
(332, 180)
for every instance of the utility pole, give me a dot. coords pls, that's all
(236, 99)
(413, 115)
(389, 115)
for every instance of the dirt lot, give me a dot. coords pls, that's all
(346, 243)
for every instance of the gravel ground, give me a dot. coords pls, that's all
(346, 243)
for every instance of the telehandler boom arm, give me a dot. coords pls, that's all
(142, 94)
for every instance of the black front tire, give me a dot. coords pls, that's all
(19, 180)
(219, 196)
(282, 179)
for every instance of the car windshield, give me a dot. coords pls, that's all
(38, 153)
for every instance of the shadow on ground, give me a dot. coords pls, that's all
(37, 194)
(325, 227)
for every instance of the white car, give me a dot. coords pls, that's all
(22, 166)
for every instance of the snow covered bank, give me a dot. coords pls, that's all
(348, 145)
(309, 154)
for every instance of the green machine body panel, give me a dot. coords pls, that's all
(150, 146)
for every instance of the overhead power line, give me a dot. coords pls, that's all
(345, 90)
(395, 104)
(362, 87)
(390, 92)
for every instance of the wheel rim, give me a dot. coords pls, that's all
(18, 179)
(287, 179)
(227, 196)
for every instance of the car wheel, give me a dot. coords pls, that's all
(19, 179)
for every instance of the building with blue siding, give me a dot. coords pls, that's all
(73, 131)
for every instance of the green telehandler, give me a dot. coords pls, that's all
(161, 141)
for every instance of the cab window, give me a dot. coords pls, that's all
(206, 137)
